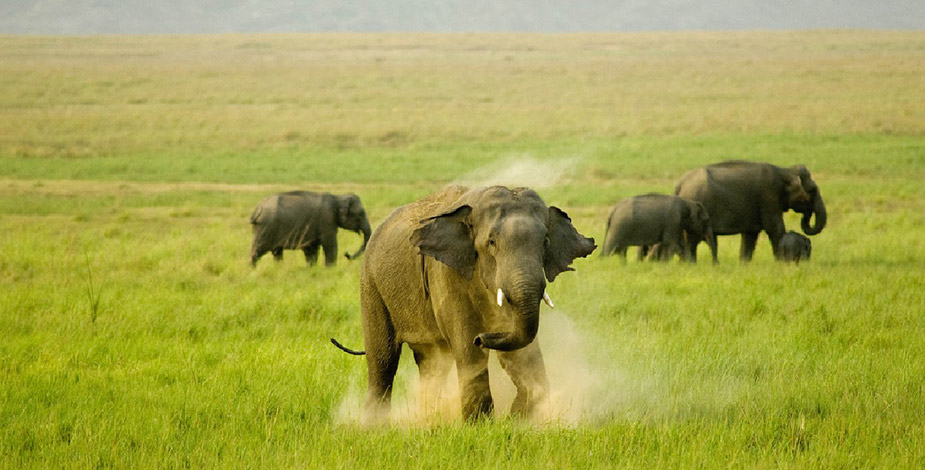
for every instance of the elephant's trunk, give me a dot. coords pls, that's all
(367, 232)
(526, 306)
(819, 211)
(711, 239)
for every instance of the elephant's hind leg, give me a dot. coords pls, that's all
(255, 255)
(382, 354)
(258, 249)
(528, 372)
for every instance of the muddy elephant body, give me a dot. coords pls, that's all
(750, 197)
(454, 275)
(795, 247)
(651, 219)
(307, 221)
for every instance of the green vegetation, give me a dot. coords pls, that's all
(134, 334)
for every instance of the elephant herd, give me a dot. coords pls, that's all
(463, 271)
(733, 197)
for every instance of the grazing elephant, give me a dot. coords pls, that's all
(795, 247)
(748, 197)
(455, 275)
(652, 219)
(304, 220)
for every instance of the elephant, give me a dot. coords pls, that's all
(795, 247)
(455, 275)
(744, 197)
(661, 222)
(307, 221)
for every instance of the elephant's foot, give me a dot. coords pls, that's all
(530, 404)
(376, 412)
(476, 399)
(478, 410)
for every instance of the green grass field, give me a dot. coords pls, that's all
(133, 333)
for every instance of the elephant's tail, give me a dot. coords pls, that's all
(255, 216)
(346, 349)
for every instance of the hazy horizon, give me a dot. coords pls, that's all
(83, 17)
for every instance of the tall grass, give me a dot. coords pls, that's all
(134, 334)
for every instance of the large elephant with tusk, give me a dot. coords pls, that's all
(750, 197)
(455, 275)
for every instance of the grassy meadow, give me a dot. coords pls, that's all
(133, 333)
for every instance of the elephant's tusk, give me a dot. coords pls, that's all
(548, 300)
(500, 297)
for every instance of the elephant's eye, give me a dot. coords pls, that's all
(491, 242)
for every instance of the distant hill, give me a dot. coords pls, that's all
(247, 16)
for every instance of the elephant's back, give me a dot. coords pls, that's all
(291, 204)
(392, 266)
(642, 207)
(727, 181)
(436, 203)
(621, 210)
(265, 210)
(393, 235)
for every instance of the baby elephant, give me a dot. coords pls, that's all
(650, 219)
(307, 221)
(794, 247)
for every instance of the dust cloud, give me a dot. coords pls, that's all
(522, 171)
(581, 390)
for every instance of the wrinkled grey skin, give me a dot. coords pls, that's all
(652, 219)
(430, 280)
(307, 221)
(795, 247)
(748, 197)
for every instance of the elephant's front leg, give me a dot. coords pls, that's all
(528, 372)
(329, 245)
(311, 253)
(474, 389)
(775, 229)
(749, 240)
(434, 365)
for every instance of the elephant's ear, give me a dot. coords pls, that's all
(565, 244)
(796, 192)
(687, 211)
(702, 213)
(448, 239)
(345, 205)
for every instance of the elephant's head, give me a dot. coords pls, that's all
(352, 216)
(803, 196)
(510, 243)
(697, 221)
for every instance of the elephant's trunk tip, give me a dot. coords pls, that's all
(507, 340)
(499, 341)
(366, 231)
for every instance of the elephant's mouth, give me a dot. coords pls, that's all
(546, 298)
(526, 325)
